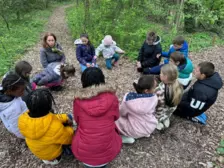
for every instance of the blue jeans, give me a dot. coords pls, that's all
(83, 67)
(109, 60)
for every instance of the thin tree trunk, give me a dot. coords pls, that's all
(86, 19)
(179, 14)
(6, 22)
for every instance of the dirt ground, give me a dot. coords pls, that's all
(183, 145)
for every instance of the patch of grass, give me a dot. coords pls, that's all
(130, 33)
(22, 35)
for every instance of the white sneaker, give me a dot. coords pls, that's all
(166, 122)
(52, 162)
(160, 126)
(127, 140)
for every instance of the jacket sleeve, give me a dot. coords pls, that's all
(43, 58)
(141, 53)
(23, 106)
(63, 56)
(116, 105)
(76, 111)
(62, 117)
(79, 55)
(118, 50)
(93, 54)
(161, 103)
(122, 109)
(167, 54)
(64, 135)
(99, 49)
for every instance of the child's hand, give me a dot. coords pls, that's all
(139, 64)
(158, 55)
(70, 122)
(95, 57)
(88, 65)
(93, 64)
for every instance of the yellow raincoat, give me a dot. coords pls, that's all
(46, 135)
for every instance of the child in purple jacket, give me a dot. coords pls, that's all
(85, 53)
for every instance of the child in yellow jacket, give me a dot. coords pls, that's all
(45, 133)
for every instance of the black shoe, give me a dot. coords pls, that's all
(56, 88)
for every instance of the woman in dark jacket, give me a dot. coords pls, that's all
(51, 51)
(149, 54)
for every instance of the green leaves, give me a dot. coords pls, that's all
(220, 149)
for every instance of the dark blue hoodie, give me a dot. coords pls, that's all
(201, 96)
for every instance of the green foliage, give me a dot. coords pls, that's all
(23, 35)
(129, 25)
(220, 149)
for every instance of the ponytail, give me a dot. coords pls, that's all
(177, 90)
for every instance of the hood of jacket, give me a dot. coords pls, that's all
(5, 101)
(34, 128)
(158, 40)
(215, 81)
(140, 103)
(113, 43)
(96, 100)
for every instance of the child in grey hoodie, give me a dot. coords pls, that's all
(110, 51)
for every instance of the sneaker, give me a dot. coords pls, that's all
(200, 119)
(127, 140)
(56, 88)
(115, 64)
(166, 122)
(52, 162)
(160, 126)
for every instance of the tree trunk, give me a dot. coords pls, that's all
(6, 22)
(179, 14)
(86, 18)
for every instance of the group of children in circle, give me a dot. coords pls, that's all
(99, 125)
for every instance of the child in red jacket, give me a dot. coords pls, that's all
(96, 108)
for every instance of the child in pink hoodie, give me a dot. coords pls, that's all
(137, 110)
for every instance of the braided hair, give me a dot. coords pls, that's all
(12, 82)
(40, 102)
(92, 76)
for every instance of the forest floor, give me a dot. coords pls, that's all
(183, 145)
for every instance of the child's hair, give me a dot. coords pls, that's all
(45, 45)
(86, 36)
(92, 76)
(151, 37)
(69, 69)
(179, 40)
(173, 90)
(12, 82)
(177, 56)
(40, 102)
(144, 82)
(207, 68)
(23, 67)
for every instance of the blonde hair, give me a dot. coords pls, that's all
(175, 89)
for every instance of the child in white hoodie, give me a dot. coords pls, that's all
(11, 104)
(110, 51)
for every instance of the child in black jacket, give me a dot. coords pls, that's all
(202, 95)
(150, 52)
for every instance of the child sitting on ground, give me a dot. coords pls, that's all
(44, 132)
(137, 111)
(169, 93)
(179, 44)
(55, 72)
(23, 69)
(96, 108)
(11, 104)
(110, 51)
(185, 68)
(85, 53)
(202, 95)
